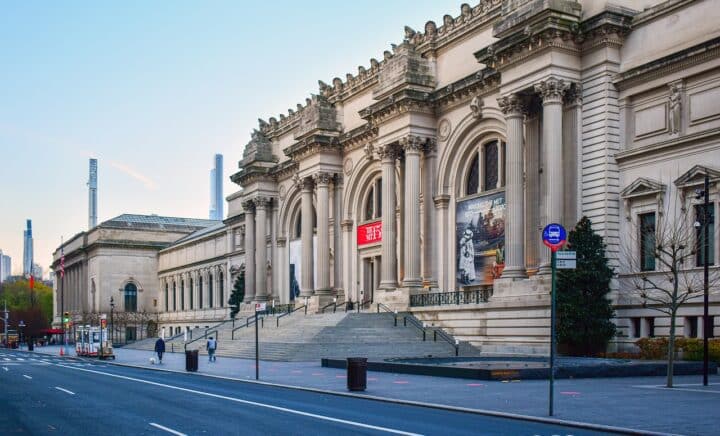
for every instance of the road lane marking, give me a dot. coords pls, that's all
(5, 368)
(27, 377)
(64, 390)
(169, 430)
(251, 403)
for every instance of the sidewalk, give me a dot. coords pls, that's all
(638, 403)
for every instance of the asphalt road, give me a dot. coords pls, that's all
(52, 395)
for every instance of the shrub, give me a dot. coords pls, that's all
(692, 348)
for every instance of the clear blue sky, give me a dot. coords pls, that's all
(153, 89)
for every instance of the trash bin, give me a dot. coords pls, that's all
(356, 373)
(191, 360)
(31, 346)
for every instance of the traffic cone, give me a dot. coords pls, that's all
(62, 351)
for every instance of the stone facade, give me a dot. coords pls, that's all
(545, 110)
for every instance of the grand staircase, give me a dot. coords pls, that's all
(300, 337)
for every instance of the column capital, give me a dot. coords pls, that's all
(306, 184)
(442, 201)
(322, 178)
(573, 96)
(281, 240)
(249, 206)
(552, 89)
(346, 225)
(387, 152)
(413, 144)
(511, 105)
(262, 202)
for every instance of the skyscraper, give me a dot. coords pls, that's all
(92, 194)
(5, 267)
(37, 271)
(216, 189)
(28, 249)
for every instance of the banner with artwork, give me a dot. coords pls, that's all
(480, 239)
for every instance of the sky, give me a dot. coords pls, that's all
(153, 90)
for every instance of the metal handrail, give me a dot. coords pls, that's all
(334, 303)
(205, 335)
(387, 309)
(277, 318)
(415, 323)
(250, 320)
(362, 304)
(448, 339)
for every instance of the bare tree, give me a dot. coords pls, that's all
(674, 279)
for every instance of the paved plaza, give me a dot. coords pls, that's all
(638, 403)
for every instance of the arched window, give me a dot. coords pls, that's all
(130, 298)
(473, 179)
(200, 292)
(210, 289)
(486, 171)
(222, 290)
(167, 297)
(373, 201)
(192, 294)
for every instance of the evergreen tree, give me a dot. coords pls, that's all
(237, 295)
(584, 311)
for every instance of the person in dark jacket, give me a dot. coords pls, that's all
(160, 349)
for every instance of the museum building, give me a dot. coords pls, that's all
(422, 181)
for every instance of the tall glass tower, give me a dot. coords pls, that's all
(216, 189)
(28, 249)
(92, 194)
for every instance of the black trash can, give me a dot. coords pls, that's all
(31, 346)
(191, 360)
(356, 373)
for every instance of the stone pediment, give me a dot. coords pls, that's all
(696, 176)
(643, 187)
(404, 68)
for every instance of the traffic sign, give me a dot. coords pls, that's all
(260, 307)
(565, 264)
(566, 255)
(554, 236)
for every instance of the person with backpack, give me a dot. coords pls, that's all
(211, 347)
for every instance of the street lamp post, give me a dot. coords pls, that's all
(112, 324)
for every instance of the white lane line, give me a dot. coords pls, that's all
(251, 403)
(664, 388)
(27, 377)
(6, 358)
(64, 390)
(20, 359)
(5, 368)
(169, 430)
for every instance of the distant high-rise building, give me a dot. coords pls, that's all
(28, 249)
(5, 267)
(216, 189)
(92, 194)
(37, 271)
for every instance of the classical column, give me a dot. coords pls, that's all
(261, 204)
(348, 285)
(388, 153)
(429, 258)
(532, 190)
(412, 145)
(551, 91)
(306, 237)
(512, 107)
(322, 182)
(249, 208)
(444, 257)
(338, 250)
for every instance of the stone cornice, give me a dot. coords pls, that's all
(404, 101)
(324, 141)
(481, 83)
(284, 170)
(358, 137)
(252, 173)
(548, 31)
(664, 66)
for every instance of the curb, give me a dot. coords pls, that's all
(484, 412)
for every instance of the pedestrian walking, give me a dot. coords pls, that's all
(211, 347)
(160, 349)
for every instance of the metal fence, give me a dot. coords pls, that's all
(446, 298)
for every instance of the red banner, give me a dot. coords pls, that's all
(369, 233)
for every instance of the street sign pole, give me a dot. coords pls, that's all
(554, 237)
(553, 268)
(257, 349)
